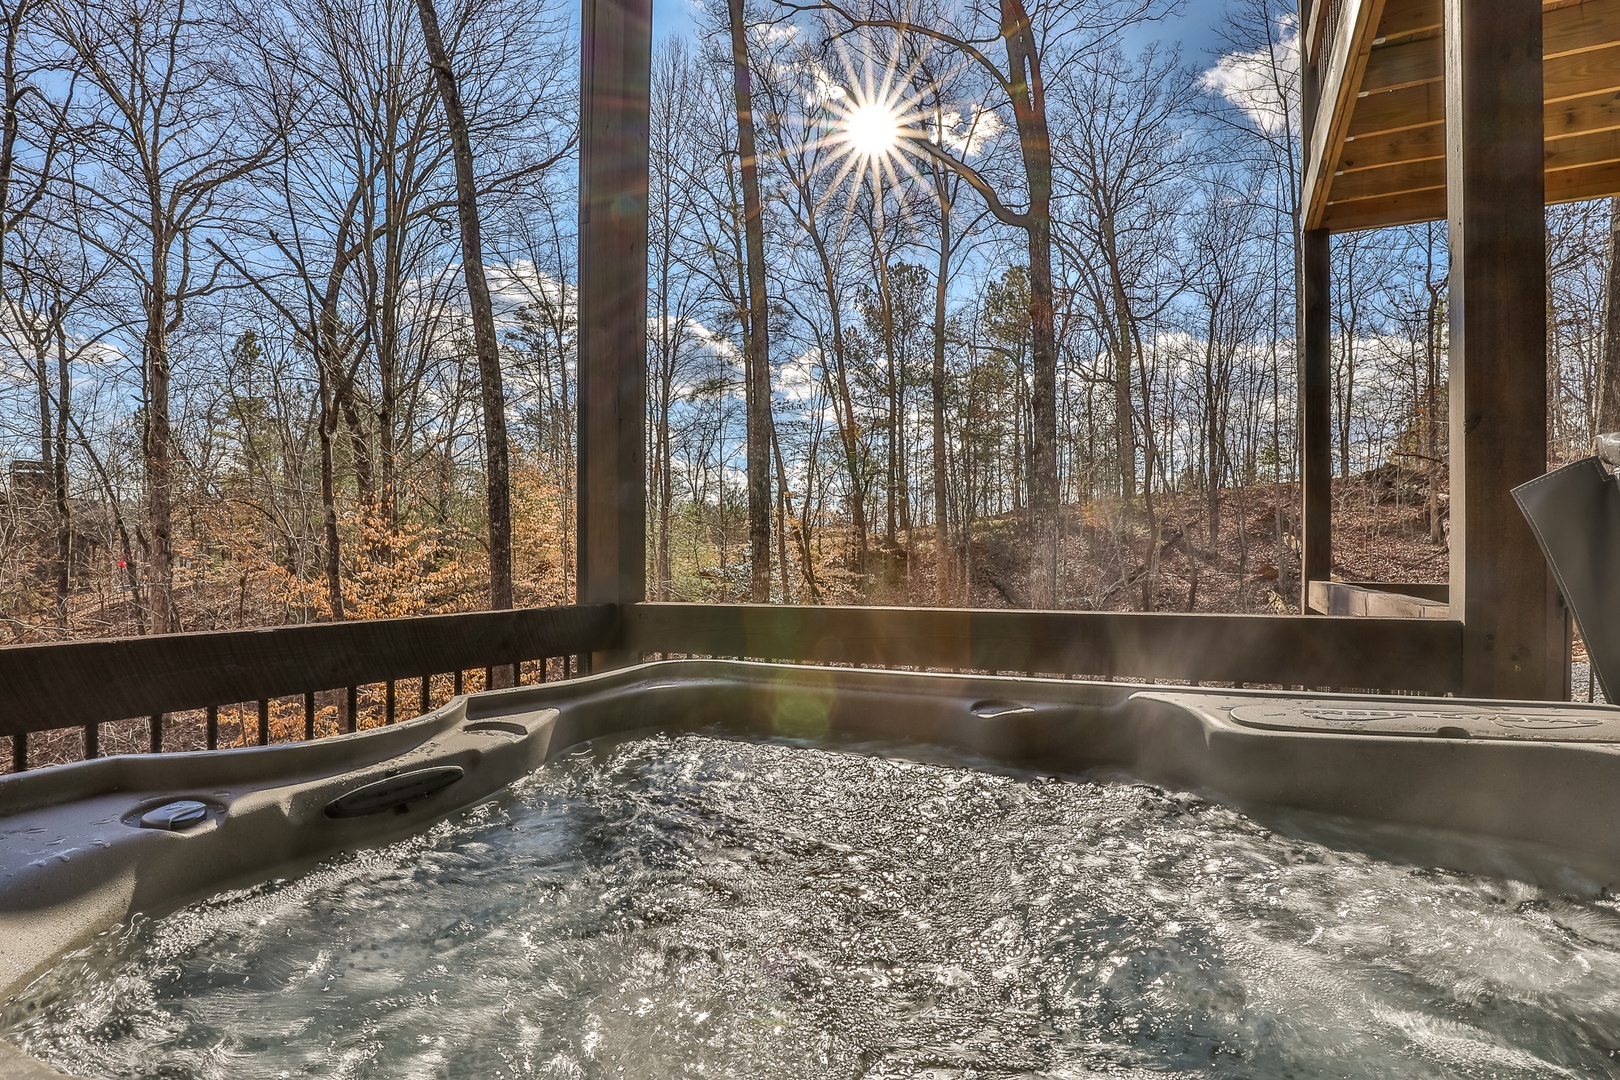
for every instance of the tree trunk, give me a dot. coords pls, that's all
(158, 454)
(483, 318)
(944, 587)
(756, 350)
(327, 426)
(1028, 94)
(59, 480)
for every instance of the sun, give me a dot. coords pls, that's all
(872, 130)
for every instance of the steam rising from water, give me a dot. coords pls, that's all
(685, 907)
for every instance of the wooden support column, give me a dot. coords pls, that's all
(1316, 412)
(615, 72)
(1500, 586)
(1314, 334)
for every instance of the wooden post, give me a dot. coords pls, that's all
(1501, 588)
(615, 73)
(1314, 334)
(1316, 413)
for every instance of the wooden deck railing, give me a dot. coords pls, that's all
(1311, 651)
(85, 684)
(182, 681)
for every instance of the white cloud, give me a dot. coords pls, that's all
(967, 136)
(1256, 81)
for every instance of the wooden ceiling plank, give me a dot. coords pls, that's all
(1589, 148)
(1407, 208)
(1391, 180)
(1594, 24)
(1580, 116)
(1578, 74)
(1404, 67)
(1391, 147)
(1399, 110)
(1570, 165)
(1587, 182)
(1391, 67)
(1404, 18)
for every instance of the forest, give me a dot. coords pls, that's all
(958, 304)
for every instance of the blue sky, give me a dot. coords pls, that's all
(1193, 27)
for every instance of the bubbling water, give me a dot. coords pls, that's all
(696, 907)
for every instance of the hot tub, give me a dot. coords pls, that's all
(1527, 792)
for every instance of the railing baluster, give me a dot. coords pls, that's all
(427, 698)
(19, 752)
(458, 681)
(156, 730)
(354, 709)
(544, 662)
(213, 727)
(388, 703)
(489, 677)
(264, 721)
(92, 741)
(309, 714)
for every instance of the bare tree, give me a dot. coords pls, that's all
(160, 143)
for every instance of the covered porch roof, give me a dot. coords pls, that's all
(1376, 155)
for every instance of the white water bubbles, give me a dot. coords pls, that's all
(697, 907)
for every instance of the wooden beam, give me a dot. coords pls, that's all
(89, 682)
(1316, 407)
(1500, 586)
(1314, 18)
(1438, 591)
(1344, 598)
(615, 65)
(1345, 59)
(1316, 651)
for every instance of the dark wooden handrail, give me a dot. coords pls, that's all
(1290, 650)
(83, 683)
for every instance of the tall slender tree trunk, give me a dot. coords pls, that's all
(157, 450)
(327, 426)
(1028, 93)
(782, 513)
(943, 563)
(59, 480)
(756, 351)
(483, 318)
